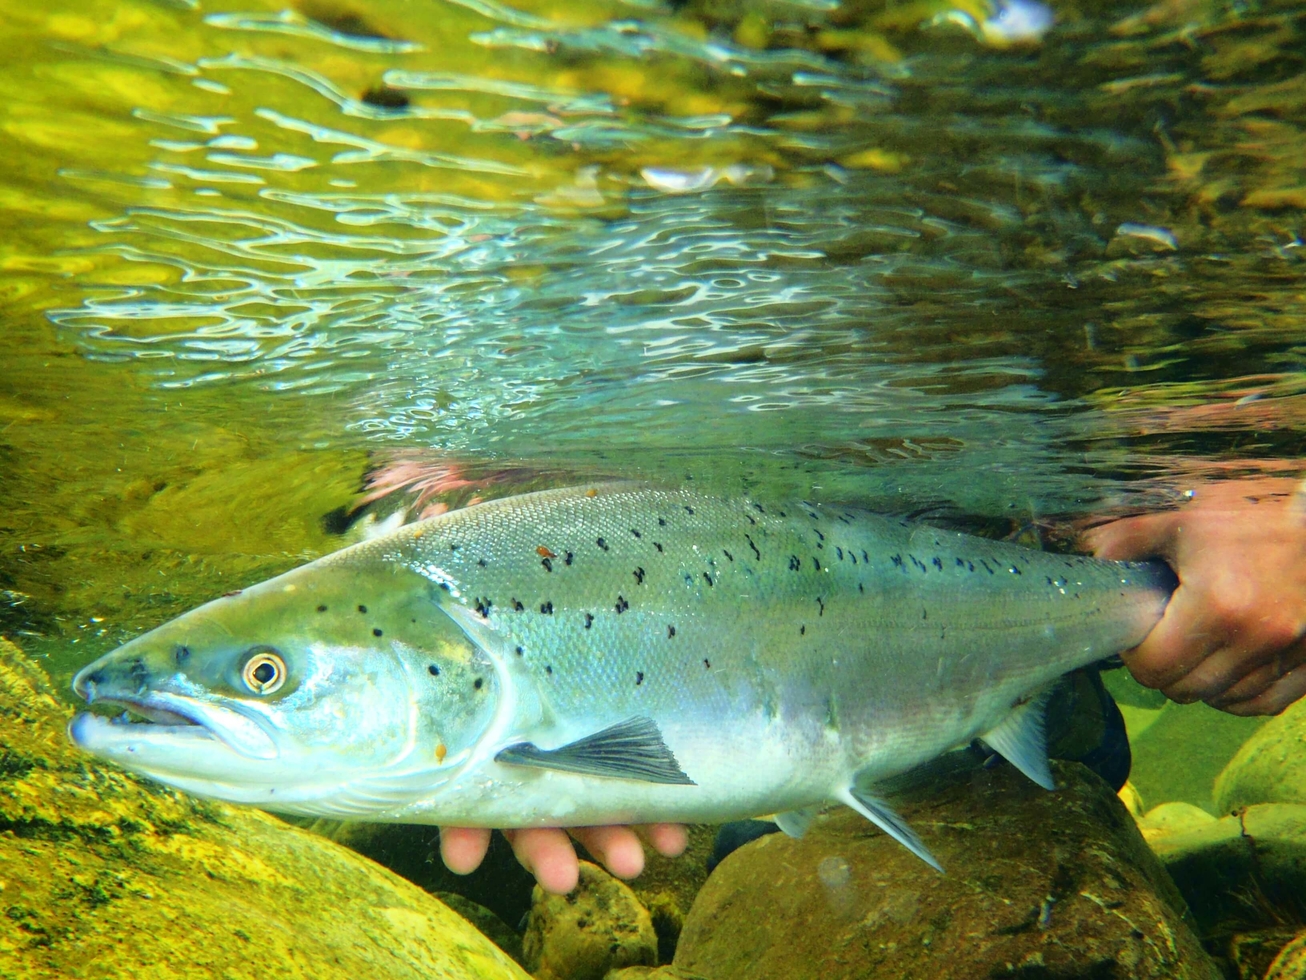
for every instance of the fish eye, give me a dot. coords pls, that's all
(264, 672)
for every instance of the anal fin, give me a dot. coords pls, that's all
(632, 749)
(879, 813)
(795, 822)
(1021, 739)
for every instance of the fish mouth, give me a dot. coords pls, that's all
(163, 717)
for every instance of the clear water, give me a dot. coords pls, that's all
(855, 252)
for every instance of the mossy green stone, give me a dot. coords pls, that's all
(105, 876)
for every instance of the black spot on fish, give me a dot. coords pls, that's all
(454, 547)
(813, 515)
(819, 534)
(860, 587)
(548, 669)
(321, 608)
(662, 522)
(548, 564)
(802, 631)
(516, 605)
(925, 613)
(986, 566)
(483, 608)
(689, 579)
(547, 608)
(376, 631)
(817, 562)
(520, 651)
(671, 631)
(363, 610)
(962, 564)
(707, 664)
(688, 509)
(445, 586)
(567, 557)
(639, 576)
(865, 559)
(478, 683)
(727, 554)
(658, 545)
(481, 562)
(636, 533)
(794, 563)
(601, 543)
(589, 620)
(937, 563)
(783, 514)
(917, 562)
(897, 561)
(839, 552)
(639, 678)
(434, 671)
(853, 556)
(820, 602)
(759, 508)
(708, 577)
(756, 554)
(181, 654)
(622, 605)
(1015, 570)
(751, 520)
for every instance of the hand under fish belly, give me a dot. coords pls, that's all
(614, 654)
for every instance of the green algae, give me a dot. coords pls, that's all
(102, 875)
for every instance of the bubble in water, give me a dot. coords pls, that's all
(834, 872)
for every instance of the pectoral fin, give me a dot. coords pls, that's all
(1021, 739)
(632, 749)
(879, 813)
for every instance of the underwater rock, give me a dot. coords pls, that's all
(651, 973)
(412, 851)
(1037, 884)
(1270, 767)
(490, 925)
(1250, 954)
(600, 926)
(103, 875)
(1247, 869)
(1290, 964)
(1172, 818)
(667, 886)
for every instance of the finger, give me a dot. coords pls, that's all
(668, 839)
(1223, 670)
(1248, 687)
(616, 848)
(463, 848)
(546, 852)
(1177, 644)
(1133, 538)
(1275, 698)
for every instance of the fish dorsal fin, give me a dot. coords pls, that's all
(795, 822)
(632, 749)
(1021, 739)
(879, 813)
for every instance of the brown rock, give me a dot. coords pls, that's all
(1038, 884)
(599, 926)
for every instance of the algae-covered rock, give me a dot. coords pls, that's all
(1249, 954)
(106, 876)
(1290, 964)
(1038, 884)
(1247, 869)
(652, 973)
(1270, 767)
(1172, 818)
(598, 927)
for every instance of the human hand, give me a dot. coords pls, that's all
(1233, 634)
(547, 852)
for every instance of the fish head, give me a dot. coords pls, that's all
(337, 689)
